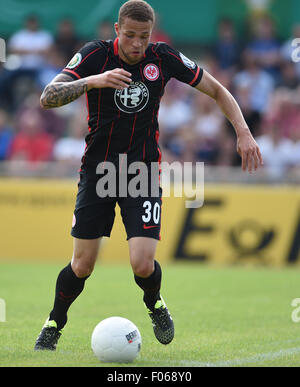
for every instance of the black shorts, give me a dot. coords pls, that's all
(94, 215)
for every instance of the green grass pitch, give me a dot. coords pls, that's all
(224, 316)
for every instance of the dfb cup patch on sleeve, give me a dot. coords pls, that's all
(74, 61)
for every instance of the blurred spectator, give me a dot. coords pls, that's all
(209, 122)
(71, 147)
(31, 143)
(276, 152)
(105, 30)
(54, 120)
(227, 48)
(288, 75)
(55, 63)
(284, 110)
(211, 64)
(287, 48)
(6, 135)
(187, 142)
(227, 154)
(253, 88)
(67, 43)
(295, 156)
(31, 44)
(265, 46)
(174, 113)
(28, 50)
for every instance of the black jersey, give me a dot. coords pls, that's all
(126, 121)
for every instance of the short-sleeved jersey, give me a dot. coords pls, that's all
(126, 121)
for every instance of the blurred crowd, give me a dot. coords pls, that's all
(258, 70)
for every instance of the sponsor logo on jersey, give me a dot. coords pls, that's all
(132, 99)
(147, 227)
(187, 62)
(74, 61)
(151, 72)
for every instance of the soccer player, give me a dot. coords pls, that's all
(124, 81)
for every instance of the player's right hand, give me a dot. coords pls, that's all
(116, 79)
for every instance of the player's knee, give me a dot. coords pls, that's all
(143, 268)
(82, 269)
(83, 264)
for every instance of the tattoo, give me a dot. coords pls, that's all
(62, 90)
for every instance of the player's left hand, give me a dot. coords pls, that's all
(249, 151)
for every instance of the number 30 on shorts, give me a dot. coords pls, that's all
(150, 212)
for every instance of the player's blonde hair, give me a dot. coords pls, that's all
(138, 10)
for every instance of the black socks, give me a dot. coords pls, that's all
(150, 286)
(68, 288)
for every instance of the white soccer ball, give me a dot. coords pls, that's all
(116, 339)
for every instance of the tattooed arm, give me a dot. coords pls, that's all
(63, 89)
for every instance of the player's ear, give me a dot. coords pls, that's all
(117, 28)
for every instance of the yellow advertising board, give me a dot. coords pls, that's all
(237, 223)
(243, 224)
(36, 218)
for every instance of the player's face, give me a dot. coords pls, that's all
(134, 37)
